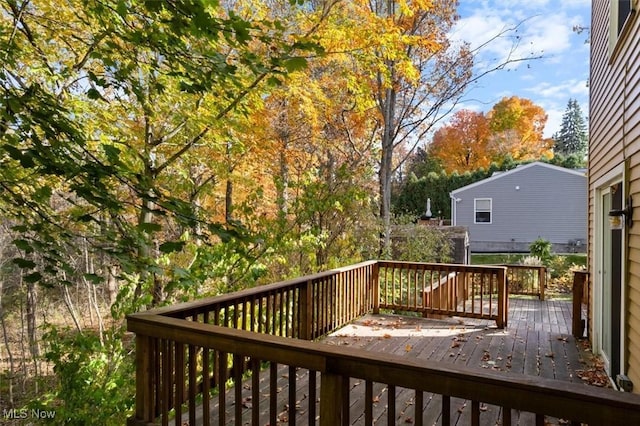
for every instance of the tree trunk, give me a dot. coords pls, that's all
(32, 328)
(12, 367)
(387, 105)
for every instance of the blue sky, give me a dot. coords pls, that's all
(544, 28)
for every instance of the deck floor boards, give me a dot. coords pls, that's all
(537, 342)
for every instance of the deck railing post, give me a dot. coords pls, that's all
(542, 280)
(375, 286)
(306, 311)
(577, 325)
(503, 296)
(331, 399)
(144, 410)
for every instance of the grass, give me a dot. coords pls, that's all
(560, 267)
(579, 259)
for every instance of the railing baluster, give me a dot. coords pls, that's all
(245, 314)
(273, 393)
(255, 391)
(475, 413)
(292, 395)
(237, 387)
(368, 402)
(446, 410)
(391, 405)
(268, 318)
(206, 384)
(193, 365)
(179, 382)
(418, 404)
(166, 381)
(312, 397)
(222, 388)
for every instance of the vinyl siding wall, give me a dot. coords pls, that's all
(532, 201)
(614, 142)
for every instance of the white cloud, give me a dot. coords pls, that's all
(501, 39)
(573, 88)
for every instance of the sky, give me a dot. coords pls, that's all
(541, 28)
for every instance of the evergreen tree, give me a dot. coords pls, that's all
(572, 137)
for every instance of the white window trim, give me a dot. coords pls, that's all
(475, 210)
(615, 36)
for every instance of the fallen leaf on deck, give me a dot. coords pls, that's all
(387, 336)
(408, 348)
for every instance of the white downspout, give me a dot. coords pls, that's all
(454, 213)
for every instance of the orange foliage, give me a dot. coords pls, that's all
(462, 145)
(517, 127)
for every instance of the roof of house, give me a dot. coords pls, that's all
(519, 168)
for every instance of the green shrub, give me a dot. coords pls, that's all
(541, 248)
(95, 380)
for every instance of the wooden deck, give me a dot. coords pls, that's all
(537, 342)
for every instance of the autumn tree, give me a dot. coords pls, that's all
(319, 153)
(463, 144)
(572, 138)
(517, 127)
(415, 73)
(117, 124)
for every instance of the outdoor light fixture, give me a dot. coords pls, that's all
(617, 216)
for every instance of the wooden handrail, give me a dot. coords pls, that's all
(575, 402)
(527, 279)
(186, 309)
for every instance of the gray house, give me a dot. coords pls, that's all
(510, 210)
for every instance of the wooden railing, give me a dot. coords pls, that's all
(304, 308)
(186, 351)
(527, 280)
(580, 291)
(204, 362)
(443, 289)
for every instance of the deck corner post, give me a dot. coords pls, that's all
(306, 311)
(375, 284)
(503, 298)
(542, 280)
(331, 399)
(144, 410)
(579, 280)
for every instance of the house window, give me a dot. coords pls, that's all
(482, 208)
(620, 14)
(624, 10)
